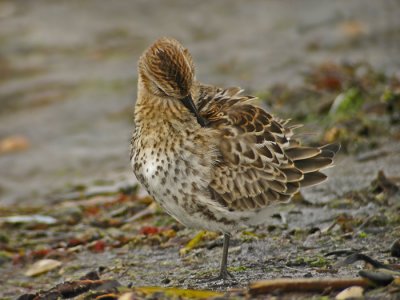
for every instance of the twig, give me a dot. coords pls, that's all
(149, 210)
(71, 289)
(305, 285)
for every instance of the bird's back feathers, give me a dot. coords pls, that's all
(259, 162)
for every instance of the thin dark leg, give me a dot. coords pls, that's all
(223, 273)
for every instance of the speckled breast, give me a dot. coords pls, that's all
(172, 175)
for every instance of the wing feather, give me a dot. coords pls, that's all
(259, 160)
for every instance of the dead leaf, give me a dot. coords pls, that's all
(355, 256)
(353, 28)
(397, 281)
(37, 219)
(332, 135)
(42, 266)
(175, 293)
(384, 184)
(13, 143)
(70, 289)
(381, 277)
(192, 243)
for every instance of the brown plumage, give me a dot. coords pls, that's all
(265, 164)
(211, 158)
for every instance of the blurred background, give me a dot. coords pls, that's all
(68, 73)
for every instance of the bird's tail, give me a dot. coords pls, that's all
(311, 161)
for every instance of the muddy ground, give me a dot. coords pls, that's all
(67, 90)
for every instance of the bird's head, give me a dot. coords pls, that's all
(166, 69)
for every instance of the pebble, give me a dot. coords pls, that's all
(395, 248)
(352, 292)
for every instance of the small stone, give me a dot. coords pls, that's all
(42, 266)
(352, 292)
(26, 297)
(395, 248)
(166, 280)
(127, 296)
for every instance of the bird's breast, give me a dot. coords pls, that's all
(169, 168)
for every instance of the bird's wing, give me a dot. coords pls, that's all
(259, 161)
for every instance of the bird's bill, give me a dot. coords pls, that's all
(188, 102)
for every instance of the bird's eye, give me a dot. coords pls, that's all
(158, 91)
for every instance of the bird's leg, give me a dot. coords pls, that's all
(223, 273)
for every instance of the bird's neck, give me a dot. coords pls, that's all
(153, 111)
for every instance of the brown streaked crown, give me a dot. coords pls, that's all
(166, 69)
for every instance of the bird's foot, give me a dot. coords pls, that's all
(223, 276)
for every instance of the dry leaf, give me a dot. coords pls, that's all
(42, 266)
(353, 28)
(332, 135)
(39, 219)
(13, 143)
(178, 293)
(192, 243)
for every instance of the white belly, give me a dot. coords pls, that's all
(149, 169)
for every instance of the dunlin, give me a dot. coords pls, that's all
(207, 155)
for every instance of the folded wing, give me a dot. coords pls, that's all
(259, 162)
